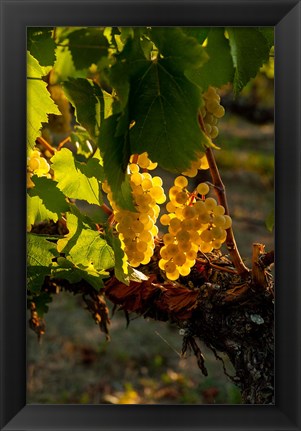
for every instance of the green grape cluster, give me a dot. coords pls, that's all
(195, 223)
(212, 112)
(36, 165)
(137, 230)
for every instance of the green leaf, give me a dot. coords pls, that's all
(128, 63)
(85, 246)
(121, 268)
(219, 68)
(87, 46)
(41, 300)
(269, 34)
(116, 156)
(45, 201)
(41, 44)
(199, 33)
(40, 253)
(249, 50)
(88, 101)
(64, 67)
(78, 180)
(164, 106)
(39, 102)
(180, 51)
(65, 269)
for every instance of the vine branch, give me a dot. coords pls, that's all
(222, 199)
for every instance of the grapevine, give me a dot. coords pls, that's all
(125, 198)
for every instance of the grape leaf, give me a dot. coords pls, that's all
(219, 68)
(64, 67)
(129, 62)
(249, 50)
(269, 34)
(41, 300)
(67, 270)
(39, 102)
(88, 100)
(180, 51)
(121, 268)
(40, 253)
(87, 46)
(45, 201)
(164, 106)
(78, 180)
(115, 159)
(199, 33)
(41, 45)
(85, 246)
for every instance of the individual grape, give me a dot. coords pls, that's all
(210, 203)
(213, 132)
(171, 249)
(165, 219)
(179, 258)
(228, 222)
(206, 236)
(170, 207)
(219, 220)
(181, 198)
(168, 238)
(162, 263)
(219, 210)
(136, 178)
(189, 212)
(170, 266)
(183, 236)
(181, 181)
(34, 163)
(174, 225)
(173, 192)
(219, 112)
(157, 181)
(191, 254)
(203, 189)
(173, 275)
(134, 168)
(184, 246)
(146, 184)
(184, 270)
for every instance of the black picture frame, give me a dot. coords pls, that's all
(15, 17)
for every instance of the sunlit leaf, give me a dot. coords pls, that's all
(39, 102)
(78, 180)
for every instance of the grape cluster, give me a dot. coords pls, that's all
(195, 223)
(212, 111)
(36, 165)
(137, 230)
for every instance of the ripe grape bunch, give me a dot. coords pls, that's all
(137, 230)
(195, 223)
(212, 111)
(36, 165)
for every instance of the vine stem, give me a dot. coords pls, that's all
(222, 199)
(45, 144)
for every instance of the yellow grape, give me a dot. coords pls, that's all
(165, 219)
(181, 181)
(203, 188)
